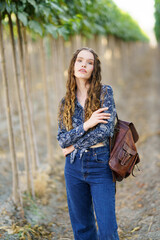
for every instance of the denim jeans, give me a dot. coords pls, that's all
(90, 189)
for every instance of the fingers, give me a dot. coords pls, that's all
(102, 109)
(104, 115)
(102, 121)
(101, 118)
(67, 150)
(64, 150)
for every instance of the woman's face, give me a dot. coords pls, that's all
(84, 64)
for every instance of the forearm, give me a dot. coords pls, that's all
(99, 134)
(68, 138)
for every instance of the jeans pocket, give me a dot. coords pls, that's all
(67, 159)
(102, 157)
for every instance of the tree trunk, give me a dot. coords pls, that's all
(16, 188)
(111, 45)
(20, 110)
(27, 98)
(54, 71)
(61, 64)
(46, 98)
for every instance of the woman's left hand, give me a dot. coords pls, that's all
(68, 150)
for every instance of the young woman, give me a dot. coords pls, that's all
(85, 122)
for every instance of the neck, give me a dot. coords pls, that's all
(82, 87)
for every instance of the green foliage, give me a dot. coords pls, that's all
(69, 17)
(157, 18)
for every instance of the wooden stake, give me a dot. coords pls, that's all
(20, 109)
(15, 183)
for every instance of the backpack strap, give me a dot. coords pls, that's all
(110, 139)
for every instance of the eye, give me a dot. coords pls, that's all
(79, 60)
(91, 63)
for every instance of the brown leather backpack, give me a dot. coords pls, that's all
(123, 152)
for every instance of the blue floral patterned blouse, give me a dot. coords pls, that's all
(81, 139)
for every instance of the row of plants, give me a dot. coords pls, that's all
(68, 17)
(157, 20)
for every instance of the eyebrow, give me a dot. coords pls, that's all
(87, 59)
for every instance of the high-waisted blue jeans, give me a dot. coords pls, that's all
(89, 186)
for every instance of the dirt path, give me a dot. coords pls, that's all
(137, 199)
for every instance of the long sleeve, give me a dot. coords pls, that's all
(68, 138)
(102, 130)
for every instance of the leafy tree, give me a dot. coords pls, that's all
(157, 18)
(66, 18)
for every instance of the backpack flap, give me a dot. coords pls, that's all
(134, 132)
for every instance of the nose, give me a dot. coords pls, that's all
(84, 64)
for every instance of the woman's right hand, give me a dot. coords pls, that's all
(97, 117)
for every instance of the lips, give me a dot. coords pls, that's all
(83, 71)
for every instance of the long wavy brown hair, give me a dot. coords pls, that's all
(92, 103)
